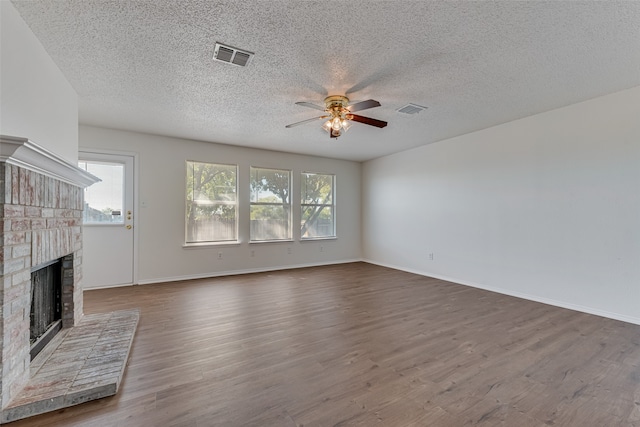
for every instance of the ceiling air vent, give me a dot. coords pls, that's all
(411, 109)
(231, 55)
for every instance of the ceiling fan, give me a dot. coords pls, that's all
(339, 114)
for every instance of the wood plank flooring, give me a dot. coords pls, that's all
(360, 345)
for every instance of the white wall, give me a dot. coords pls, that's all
(162, 189)
(36, 101)
(546, 207)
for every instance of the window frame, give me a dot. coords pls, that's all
(199, 243)
(332, 205)
(289, 238)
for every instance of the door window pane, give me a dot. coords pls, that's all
(104, 200)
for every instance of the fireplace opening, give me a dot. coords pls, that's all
(46, 304)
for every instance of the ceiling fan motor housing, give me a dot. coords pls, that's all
(336, 103)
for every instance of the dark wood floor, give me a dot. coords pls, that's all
(360, 345)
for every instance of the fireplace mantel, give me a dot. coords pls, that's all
(27, 154)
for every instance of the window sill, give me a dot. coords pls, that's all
(259, 242)
(205, 245)
(315, 239)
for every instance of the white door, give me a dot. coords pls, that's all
(108, 238)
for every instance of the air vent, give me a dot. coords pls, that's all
(231, 55)
(241, 59)
(411, 109)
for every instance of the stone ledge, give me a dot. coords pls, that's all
(80, 364)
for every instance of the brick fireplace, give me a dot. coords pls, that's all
(41, 201)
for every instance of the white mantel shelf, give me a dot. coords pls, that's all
(28, 155)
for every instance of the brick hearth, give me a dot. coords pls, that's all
(80, 364)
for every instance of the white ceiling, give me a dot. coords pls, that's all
(147, 65)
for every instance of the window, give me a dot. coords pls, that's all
(318, 206)
(104, 200)
(270, 204)
(212, 209)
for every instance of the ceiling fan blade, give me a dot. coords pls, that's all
(367, 120)
(310, 105)
(306, 121)
(359, 106)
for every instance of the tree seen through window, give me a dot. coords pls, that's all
(317, 205)
(211, 212)
(270, 204)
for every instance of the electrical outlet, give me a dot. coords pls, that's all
(253, 253)
(219, 255)
(321, 248)
(289, 251)
(431, 256)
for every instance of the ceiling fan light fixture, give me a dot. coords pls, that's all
(340, 114)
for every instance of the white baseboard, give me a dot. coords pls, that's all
(120, 285)
(238, 272)
(556, 303)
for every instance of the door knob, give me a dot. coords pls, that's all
(128, 227)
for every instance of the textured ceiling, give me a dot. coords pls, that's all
(147, 65)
